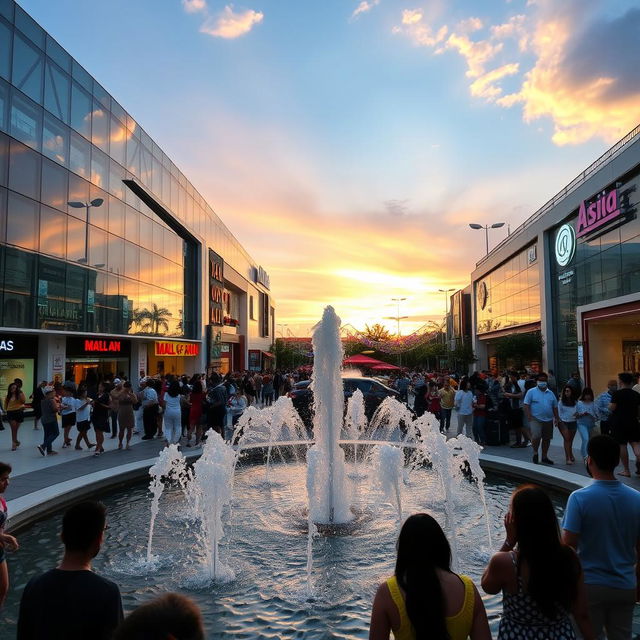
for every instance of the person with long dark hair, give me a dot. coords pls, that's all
(539, 576)
(567, 403)
(14, 406)
(425, 599)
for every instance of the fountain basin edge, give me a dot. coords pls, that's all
(31, 507)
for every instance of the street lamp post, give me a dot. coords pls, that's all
(397, 318)
(495, 225)
(96, 202)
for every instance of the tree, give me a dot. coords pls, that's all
(288, 355)
(152, 320)
(377, 332)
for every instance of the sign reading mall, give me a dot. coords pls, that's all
(166, 348)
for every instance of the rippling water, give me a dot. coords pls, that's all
(266, 548)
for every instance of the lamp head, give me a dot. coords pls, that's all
(76, 205)
(497, 225)
(474, 225)
(96, 202)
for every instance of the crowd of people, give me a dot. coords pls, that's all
(528, 405)
(177, 409)
(554, 582)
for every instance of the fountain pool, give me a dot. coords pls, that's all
(265, 547)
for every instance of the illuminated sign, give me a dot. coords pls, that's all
(565, 245)
(6, 345)
(216, 289)
(592, 216)
(103, 346)
(166, 348)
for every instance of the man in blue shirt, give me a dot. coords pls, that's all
(541, 409)
(602, 405)
(602, 523)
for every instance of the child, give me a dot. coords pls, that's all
(586, 416)
(7, 542)
(83, 415)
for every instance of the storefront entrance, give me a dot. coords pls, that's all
(611, 343)
(169, 356)
(95, 359)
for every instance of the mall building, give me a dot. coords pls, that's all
(570, 275)
(110, 260)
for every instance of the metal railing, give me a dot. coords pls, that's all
(574, 184)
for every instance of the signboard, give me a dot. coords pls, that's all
(482, 294)
(214, 346)
(16, 368)
(565, 246)
(260, 276)
(596, 214)
(169, 348)
(580, 356)
(532, 254)
(98, 347)
(216, 289)
(102, 346)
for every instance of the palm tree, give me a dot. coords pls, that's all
(152, 320)
(377, 332)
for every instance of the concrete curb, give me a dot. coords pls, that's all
(27, 509)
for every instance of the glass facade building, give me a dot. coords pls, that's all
(134, 264)
(571, 271)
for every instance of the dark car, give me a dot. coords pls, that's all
(374, 393)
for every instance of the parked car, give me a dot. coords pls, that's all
(374, 393)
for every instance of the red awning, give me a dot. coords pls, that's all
(385, 367)
(268, 354)
(364, 361)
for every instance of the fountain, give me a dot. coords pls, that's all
(392, 437)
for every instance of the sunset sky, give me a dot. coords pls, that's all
(348, 144)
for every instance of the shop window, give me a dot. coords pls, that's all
(5, 51)
(24, 170)
(80, 156)
(3, 220)
(54, 187)
(57, 87)
(25, 120)
(27, 67)
(55, 140)
(53, 232)
(78, 192)
(97, 248)
(22, 222)
(4, 160)
(81, 110)
(75, 239)
(58, 54)
(99, 169)
(4, 106)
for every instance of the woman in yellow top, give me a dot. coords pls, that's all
(425, 599)
(14, 405)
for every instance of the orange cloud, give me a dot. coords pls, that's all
(587, 91)
(193, 6)
(231, 24)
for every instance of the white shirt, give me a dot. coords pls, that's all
(171, 403)
(566, 413)
(67, 405)
(463, 402)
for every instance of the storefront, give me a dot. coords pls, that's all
(96, 358)
(595, 280)
(175, 357)
(17, 360)
(261, 360)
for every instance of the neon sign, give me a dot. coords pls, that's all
(165, 348)
(102, 346)
(605, 208)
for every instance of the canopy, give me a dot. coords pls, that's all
(364, 361)
(385, 367)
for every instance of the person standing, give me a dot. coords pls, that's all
(36, 401)
(480, 401)
(114, 394)
(434, 403)
(172, 414)
(624, 407)
(463, 403)
(447, 400)
(68, 412)
(513, 394)
(97, 605)
(541, 409)
(50, 408)
(217, 404)
(575, 383)
(602, 406)
(7, 542)
(267, 390)
(126, 418)
(100, 416)
(586, 416)
(602, 522)
(195, 412)
(149, 400)
(540, 577)
(567, 424)
(83, 417)
(14, 406)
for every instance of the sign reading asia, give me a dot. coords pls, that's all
(592, 216)
(168, 348)
(216, 289)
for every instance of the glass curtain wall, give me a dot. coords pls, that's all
(119, 269)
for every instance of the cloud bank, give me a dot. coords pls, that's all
(228, 23)
(571, 63)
